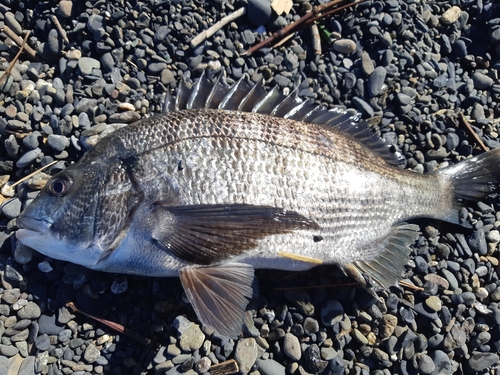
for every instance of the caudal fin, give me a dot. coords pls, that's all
(473, 179)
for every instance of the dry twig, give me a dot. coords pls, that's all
(205, 34)
(13, 62)
(59, 28)
(472, 133)
(117, 327)
(305, 20)
(20, 42)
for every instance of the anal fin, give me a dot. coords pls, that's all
(385, 270)
(219, 295)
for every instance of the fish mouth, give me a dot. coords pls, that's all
(30, 227)
(36, 233)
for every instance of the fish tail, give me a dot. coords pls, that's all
(472, 180)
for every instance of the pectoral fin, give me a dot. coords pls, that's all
(206, 234)
(385, 269)
(219, 295)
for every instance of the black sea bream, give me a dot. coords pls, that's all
(235, 178)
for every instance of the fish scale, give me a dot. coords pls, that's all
(208, 192)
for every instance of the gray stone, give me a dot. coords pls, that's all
(376, 81)
(423, 363)
(270, 367)
(331, 312)
(28, 158)
(91, 353)
(42, 342)
(10, 20)
(482, 81)
(482, 361)
(57, 142)
(86, 64)
(8, 350)
(246, 354)
(30, 311)
(259, 12)
(291, 347)
(11, 208)
(344, 46)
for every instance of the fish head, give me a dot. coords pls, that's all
(66, 220)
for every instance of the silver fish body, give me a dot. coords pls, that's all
(210, 194)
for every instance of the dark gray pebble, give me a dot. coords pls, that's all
(11, 208)
(313, 359)
(42, 342)
(376, 81)
(57, 142)
(482, 361)
(259, 12)
(442, 363)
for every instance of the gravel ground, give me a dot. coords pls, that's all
(410, 67)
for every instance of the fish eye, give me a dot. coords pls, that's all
(60, 185)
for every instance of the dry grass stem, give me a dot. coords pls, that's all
(117, 327)
(472, 133)
(205, 34)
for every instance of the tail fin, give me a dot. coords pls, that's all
(473, 179)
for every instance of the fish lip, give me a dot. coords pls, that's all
(33, 224)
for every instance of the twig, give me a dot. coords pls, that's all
(13, 62)
(59, 28)
(224, 368)
(32, 174)
(117, 327)
(22, 44)
(472, 133)
(410, 286)
(307, 19)
(205, 34)
(282, 41)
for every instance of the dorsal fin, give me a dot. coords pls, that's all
(245, 97)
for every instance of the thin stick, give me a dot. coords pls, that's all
(32, 174)
(472, 133)
(22, 44)
(282, 41)
(307, 19)
(410, 286)
(205, 34)
(59, 28)
(13, 62)
(117, 327)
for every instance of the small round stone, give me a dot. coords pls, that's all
(344, 46)
(434, 303)
(30, 311)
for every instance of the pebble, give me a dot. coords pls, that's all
(481, 81)
(344, 46)
(246, 353)
(376, 81)
(270, 367)
(291, 347)
(259, 12)
(30, 311)
(451, 15)
(482, 361)
(391, 67)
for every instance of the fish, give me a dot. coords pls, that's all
(233, 178)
